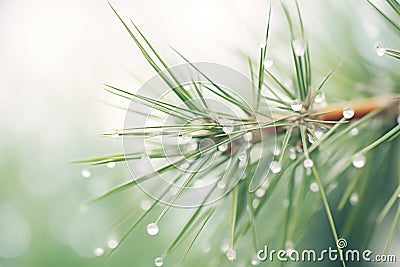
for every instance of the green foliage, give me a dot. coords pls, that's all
(315, 153)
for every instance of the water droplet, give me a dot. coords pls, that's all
(318, 134)
(308, 163)
(353, 199)
(268, 62)
(275, 167)
(320, 97)
(98, 252)
(398, 119)
(314, 187)
(152, 229)
(242, 155)
(308, 171)
(260, 192)
(145, 205)
(248, 137)
(296, 105)
(255, 203)
(114, 133)
(310, 139)
(230, 254)
(292, 154)
(380, 49)
(221, 184)
(86, 173)
(359, 161)
(277, 151)
(348, 112)
(159, 262)
(112, 243)
(299, 47)
(354, 131)
(227, 125)
(223, 147)
(111, 164)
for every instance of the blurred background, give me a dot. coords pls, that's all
(54, 57)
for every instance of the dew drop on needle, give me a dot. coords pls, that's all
(255, 203)
(308, 163)
(227, 125)
(152, 229)
(292, 154)
(314, 187)
(98, 252)
(353, 199)
(320, 97)
(230, 254)
(114, 133)
(223, 147)
(277, 151)
(354, 131)
(296, 105)
(268, 62)
(112, 243)
(159, 262)
(111, 164)
(348, 112)
(221, 184)
(359, 161)
(86, 173)
(275, 167)
(260, 192)
(380, 49)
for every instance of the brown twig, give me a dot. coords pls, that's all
(334, 112)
